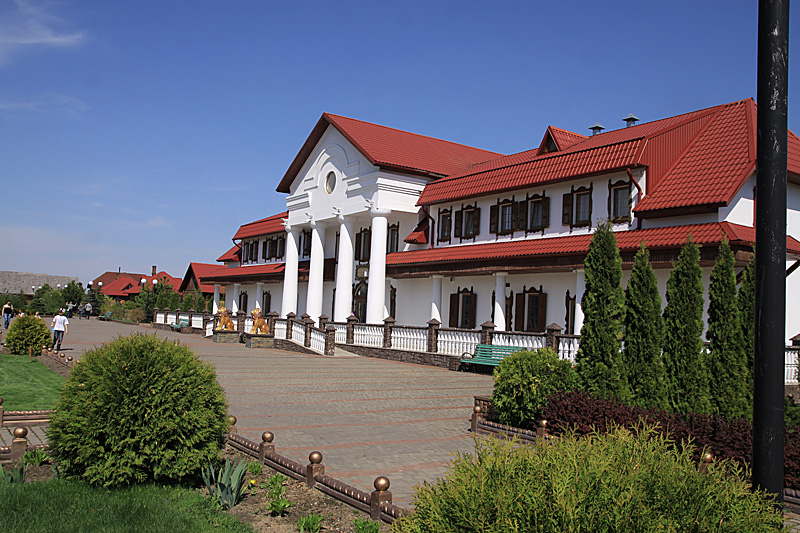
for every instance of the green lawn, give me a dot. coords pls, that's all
(26, 385)
(60, 505)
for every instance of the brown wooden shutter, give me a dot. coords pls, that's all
(454, 310)
(493, 213)
(368, 247)
(522, 215)
(566, 210)
(542, 322)
(459, 221)
(473, 310)
(357, 254)
(519, 312)
(514, 212)
(476, 228)
(281, 247)
(546, 211)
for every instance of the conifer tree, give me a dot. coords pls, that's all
(603, 305)
(746, 300)
(642, 364)
(684, 358)
(727, 367)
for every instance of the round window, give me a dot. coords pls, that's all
(330, 182)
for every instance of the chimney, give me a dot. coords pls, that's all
(596, 128)
(630, 120)
(154, 271)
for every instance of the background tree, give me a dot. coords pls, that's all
(684, 358)
(188, 301)
(96, 298)
(603, 305)
(727, 362)
(642, 365)
(746, 301)
(73, 292)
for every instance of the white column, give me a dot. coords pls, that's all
(500, 301)
(215, 308)
(580, 288)
(233, 306)
(344, 272)
(259, 295)
(314, 298)
(376, 287)
(436, 298)
(289, 298)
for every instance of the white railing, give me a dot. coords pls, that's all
(524, 341)
(791, 369)
(248, 324)
(318, 340)
(368, 335)
(160, 317)
(410, 338)
(568, 347)
(458, 342)
(183, 315)
(298, 332)
(341, 332)
(210, 328)
(280, 329)
(172, 317)
(197, 321)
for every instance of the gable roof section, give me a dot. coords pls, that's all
(196, 271)
(265, 226)
(392, 149)
(654, 238)
(563, 139)
(255, 272)
(231, 255)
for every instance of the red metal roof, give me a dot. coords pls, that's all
(119, 287)
(265, 226)
(160, 277)
(391, 148)
(667, 237)
(231, 255)
(222, 273)
(420, 233)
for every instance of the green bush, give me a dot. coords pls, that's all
(28, 332)
(134, 315)
(622, 481)
(524, 380)
(137, 409)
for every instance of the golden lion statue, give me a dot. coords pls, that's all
(225, 322)
(259, 324)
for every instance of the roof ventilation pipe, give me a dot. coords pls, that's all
(596, 128)
(630, 120)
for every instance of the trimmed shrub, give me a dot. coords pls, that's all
(138, 409)
(621, 481)
(134, 315)
(583, 413)
(28, 332)
(524, 380)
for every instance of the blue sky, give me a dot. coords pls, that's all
(139, 133)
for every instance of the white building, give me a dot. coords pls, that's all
(382, 222)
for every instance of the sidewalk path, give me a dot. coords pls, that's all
(368, 417)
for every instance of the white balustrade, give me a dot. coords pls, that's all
(280, 329)
(209, 328)
(368, 335)
(172, 317)
(298, 332)
(410, 338)
(791, 369)
(183, 315)
(457, 341)
(318, 340)
(248, 324)
(160, 317)
(568, 347)
(519, 340)
(197, 321)
(341, 332)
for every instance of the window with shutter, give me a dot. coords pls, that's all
(357, 250)
(538, 213)
(281, 247)
(266, 302)
(569, 317)
(508, 215)
(393, 238)
(619, 201)
(453, 319)
(444, 225)
(531, 310)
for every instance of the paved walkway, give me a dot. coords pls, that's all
(368, 417)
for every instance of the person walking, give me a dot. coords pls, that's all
(80, 311)
(59, 326)
(70, 306)
(8, 312)
(88, 310)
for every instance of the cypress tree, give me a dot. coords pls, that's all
(727, 361)
(603, 305)
(746, 300)
(642, 364)
(684, 358)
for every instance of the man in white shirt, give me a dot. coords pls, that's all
(59, 326)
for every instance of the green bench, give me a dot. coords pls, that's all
(182, 323)
(106, 316)
(489, 354)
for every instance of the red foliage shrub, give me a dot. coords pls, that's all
(725, 438)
